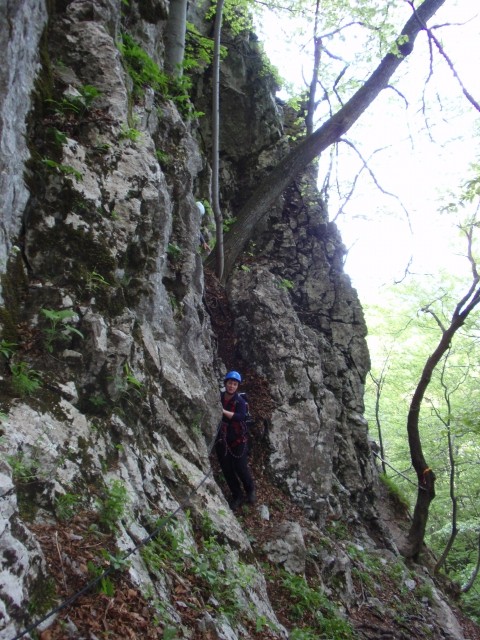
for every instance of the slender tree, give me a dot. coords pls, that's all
(447, 423)
(471, 581)
(378, 383)
(175, 37)
(219, 255)
(317, 52)
(425, 475)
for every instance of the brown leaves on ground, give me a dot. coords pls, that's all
(71, 549)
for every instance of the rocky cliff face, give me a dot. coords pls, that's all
(114, 343)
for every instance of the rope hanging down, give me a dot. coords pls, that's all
(419, 486)
(66, 603)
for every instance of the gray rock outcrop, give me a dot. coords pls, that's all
(111, 366)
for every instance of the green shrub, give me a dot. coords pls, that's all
(112, 505)
(395, 492)
(7, 348)
(25, 380)
(58, 329)
(144, 72)
(141, 68)
(23, 469)
(66, 506)
(64, 169)
(77, 105)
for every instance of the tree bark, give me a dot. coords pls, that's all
(453, 498)
(331, 131)
(466, 588)
(217, 212)
(317, 52)
(175, 38)
(425, 475)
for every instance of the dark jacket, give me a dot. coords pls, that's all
(233, 430)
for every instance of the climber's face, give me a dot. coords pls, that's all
(231, 386)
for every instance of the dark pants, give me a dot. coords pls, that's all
(234, 464)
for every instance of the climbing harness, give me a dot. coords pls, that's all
(242, 439)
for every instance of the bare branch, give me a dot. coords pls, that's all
(355, 23)
(406, 271)
(427, 309)
(260, 201)
(447, 59)
(365, 166)
(399, 93)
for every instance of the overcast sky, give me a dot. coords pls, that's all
(419, 163)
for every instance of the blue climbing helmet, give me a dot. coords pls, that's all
(233, 375)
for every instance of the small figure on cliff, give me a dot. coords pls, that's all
(232, 443)
(203, 243)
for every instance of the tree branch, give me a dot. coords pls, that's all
(259, 203)
(450, 64)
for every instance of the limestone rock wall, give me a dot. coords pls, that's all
(109, 365)
(22, 25)
(300, 322)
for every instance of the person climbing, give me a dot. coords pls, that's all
(231, 445)
(203, 242)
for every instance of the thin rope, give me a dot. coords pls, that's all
(399, 472)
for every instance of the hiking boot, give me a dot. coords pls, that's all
(235, 503)
(251, 497)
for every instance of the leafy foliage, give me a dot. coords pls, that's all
(310, 606)
(64, 169)
(142, 69)
(77, 104)
(395, 492)
(112, 505)
(213, 574)
(58, 329)
(403, 333)
(25, 380)
(145, 72)
(7, 348)
(66, 506)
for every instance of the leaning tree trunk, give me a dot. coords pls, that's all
(425, 475)
(258, 205)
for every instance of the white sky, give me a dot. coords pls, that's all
(415, 168)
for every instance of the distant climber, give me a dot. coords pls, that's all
(203, 242)
(231, 444)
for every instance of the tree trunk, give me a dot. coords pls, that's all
(426, 477)
(453, 497)
(217, 212)
(257, 206)
(312, 99)
(175, 38)
(466, 588)
(378, 392)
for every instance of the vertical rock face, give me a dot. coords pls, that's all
(22, 23)
(109, 366)
(300, 324)
(109, 283)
